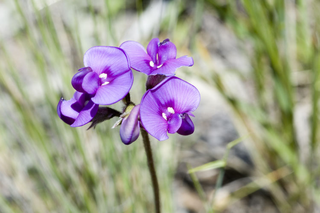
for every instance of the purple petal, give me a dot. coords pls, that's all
(110, 60)
(152, 49)
(187, 127)
(154, 80)
(78, 78)
(139, 59)
(169, 67)
(70, 108)
(151, 117)
(167, 50)
(174, 123)
(85, 69)
(81, 98)
(190, 114)
(115, 90)
(67, 118)
(130, 127)
(90, 83)
(86, 114)
(178, 94)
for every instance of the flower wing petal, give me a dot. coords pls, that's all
(65, 112)
(139, 59)
(70, 108)
(177, 93)
(167, 50)
(151, 117)
(77, 79)
(187, 127)
(174, 123)
(86, 114)
(90, 83)
(130, 127)
(169, 67)
(113, 92)
(110, 60)
(152, 48)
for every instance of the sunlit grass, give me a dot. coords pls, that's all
(56, 168)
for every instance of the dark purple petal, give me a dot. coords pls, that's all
(103, 114)
(86, 114)
(167, 50)
(110, 60)
(178, 94)
(90, 83)
(67, 118)
(187, 127)
(113, 92)
(154, 80)
(70, 108)
(130, 127)
(152, 49)
(81, 98)
(174, 123)
(169, 67)
(139, 59)
(85, 69)
(151, 117)
(78, 78)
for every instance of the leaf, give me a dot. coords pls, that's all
(208, 166)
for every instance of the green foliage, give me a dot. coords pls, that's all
(283, 44)
(55, 168)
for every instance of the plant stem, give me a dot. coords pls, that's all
(155, 185)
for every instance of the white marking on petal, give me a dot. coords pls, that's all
(159, 66)
(151, 64)
(86, 102)
(171, 110)
(105, 83)
(164, 116)
(103, 75)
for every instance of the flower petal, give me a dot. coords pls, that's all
(178, 94)
(77, 79)
(174, 123)
(154, 80)
(64, 106)
(152, 49)
(70, 108)
(130, 127)
(139, 59)
(187, 127)
(90, 83)
(167, 50)
(110, 60)
(81, 98)
(169, 67)
(86, 114)
(113, 92)
(151, 117)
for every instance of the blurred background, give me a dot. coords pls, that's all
(255, 147)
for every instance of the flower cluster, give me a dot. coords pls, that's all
(107, 78)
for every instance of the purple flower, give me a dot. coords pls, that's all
(106, 77)
(167, 108)
(130, 127)
(77, 111)
(160, 58)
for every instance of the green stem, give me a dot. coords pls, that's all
(155, 185)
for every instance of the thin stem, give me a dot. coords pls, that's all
(155, 185)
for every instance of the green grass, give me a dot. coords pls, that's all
(55, 168)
